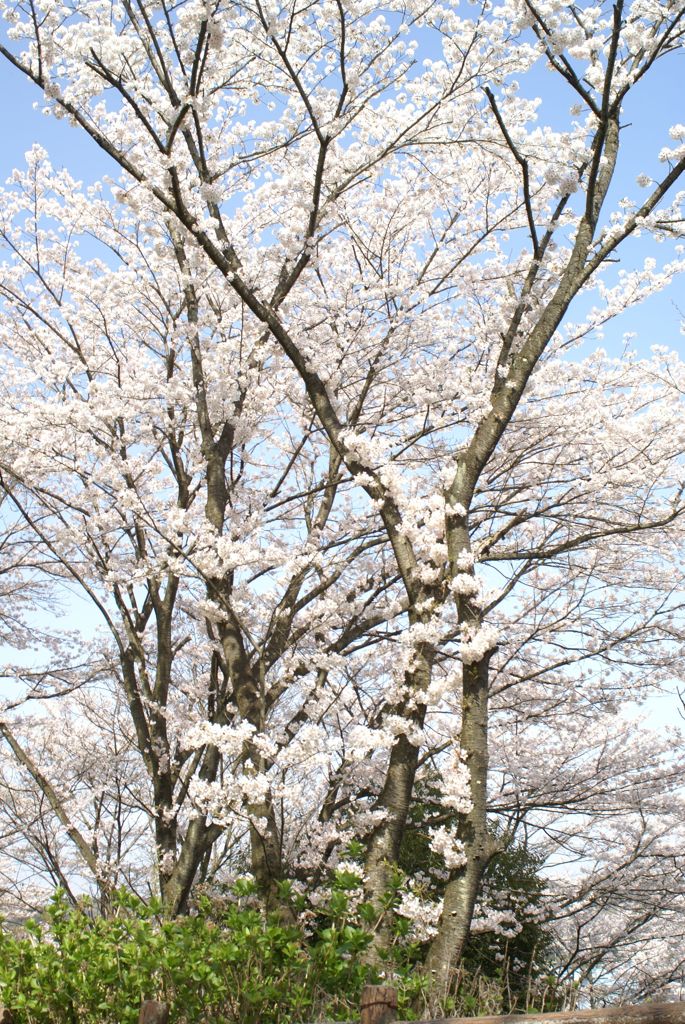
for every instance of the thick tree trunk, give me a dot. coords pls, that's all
(177, 887)
(462, 889)
(395, 798)
(384, 847)
(265, 836)
(266, 855)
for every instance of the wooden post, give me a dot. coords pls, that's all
(152, 1012)
(378, 1005)
(6, 1016)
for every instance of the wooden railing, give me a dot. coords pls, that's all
(379, 1006)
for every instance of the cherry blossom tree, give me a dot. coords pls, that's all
(131, 517)
(305, 422)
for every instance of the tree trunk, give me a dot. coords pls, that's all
(177, 888)
(395, 798)
(462, 889)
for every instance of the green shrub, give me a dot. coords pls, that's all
(228, 961)
(237, 965)
(80, 968)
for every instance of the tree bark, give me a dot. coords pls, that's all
(462, 889)
(395, 797)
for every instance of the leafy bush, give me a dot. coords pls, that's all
(230, 962)
(77, 968)
(236, 965)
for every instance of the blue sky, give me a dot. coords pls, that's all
(21, 126)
